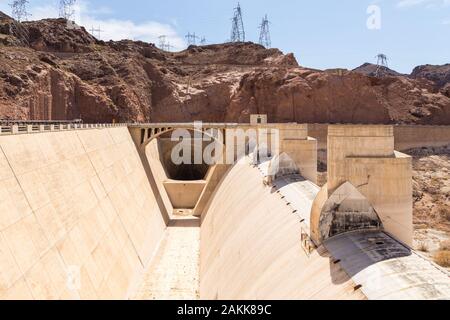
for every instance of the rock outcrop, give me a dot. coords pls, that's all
(372, 70)
(52, 69)
(438, 75)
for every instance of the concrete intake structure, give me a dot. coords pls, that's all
(364, 157)
(97, 212)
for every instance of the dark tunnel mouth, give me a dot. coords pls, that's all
(188, 172)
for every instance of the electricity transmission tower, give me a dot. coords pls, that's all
(162, 41)
(19, 10)
(203, 41)
(168, 47)
(164, 44)
(66, 9)
(264, 35)
(382, 62)
(237, 31)
(191, 39)
(19, 13)
(99, 31)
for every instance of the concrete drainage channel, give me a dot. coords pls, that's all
(174, 271)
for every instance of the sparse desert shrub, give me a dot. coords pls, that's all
(423, 247)
(442, 258)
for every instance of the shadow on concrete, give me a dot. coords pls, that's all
(184, 223)
(353, 252)
(151, 180)
(215, 186)
(284, 181)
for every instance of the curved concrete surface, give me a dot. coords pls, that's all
(387, 270)
(251, 248)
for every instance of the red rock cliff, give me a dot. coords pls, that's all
(53, 70)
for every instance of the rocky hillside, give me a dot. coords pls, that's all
(370, 69)
(439, 75)
(52, 69)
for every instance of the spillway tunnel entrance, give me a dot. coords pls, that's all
(185, 181)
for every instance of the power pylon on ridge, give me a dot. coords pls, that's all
(264, 35)
(191, 39)
(19, 10)
(168, 47)
(164, 44)
(237, 31)
(66, 9)
(203, 41)
(99, 31)
(162, 41)
(382, 62)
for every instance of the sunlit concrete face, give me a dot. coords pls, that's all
(365, 157)
(78, 217)
(95, 214)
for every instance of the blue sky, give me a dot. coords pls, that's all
(321, 33)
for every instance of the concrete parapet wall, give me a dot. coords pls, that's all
(360, 131)
(411, 137)
(78, 217)
(40, 127)
(405, 136)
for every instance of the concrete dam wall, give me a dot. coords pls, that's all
(95, 213)
(78, 216)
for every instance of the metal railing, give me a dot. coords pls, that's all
(27, 127)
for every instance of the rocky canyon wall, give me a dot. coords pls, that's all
(50, 71)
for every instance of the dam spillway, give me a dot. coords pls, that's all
(86, 214)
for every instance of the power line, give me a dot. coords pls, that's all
(164, 44)
(19, 13)
(19, 10)
(162, 41)
(168, 47)
(99, 31)
(237, 31)
(191, 39)
(264, 35)
(66, 9)
(203, 41)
